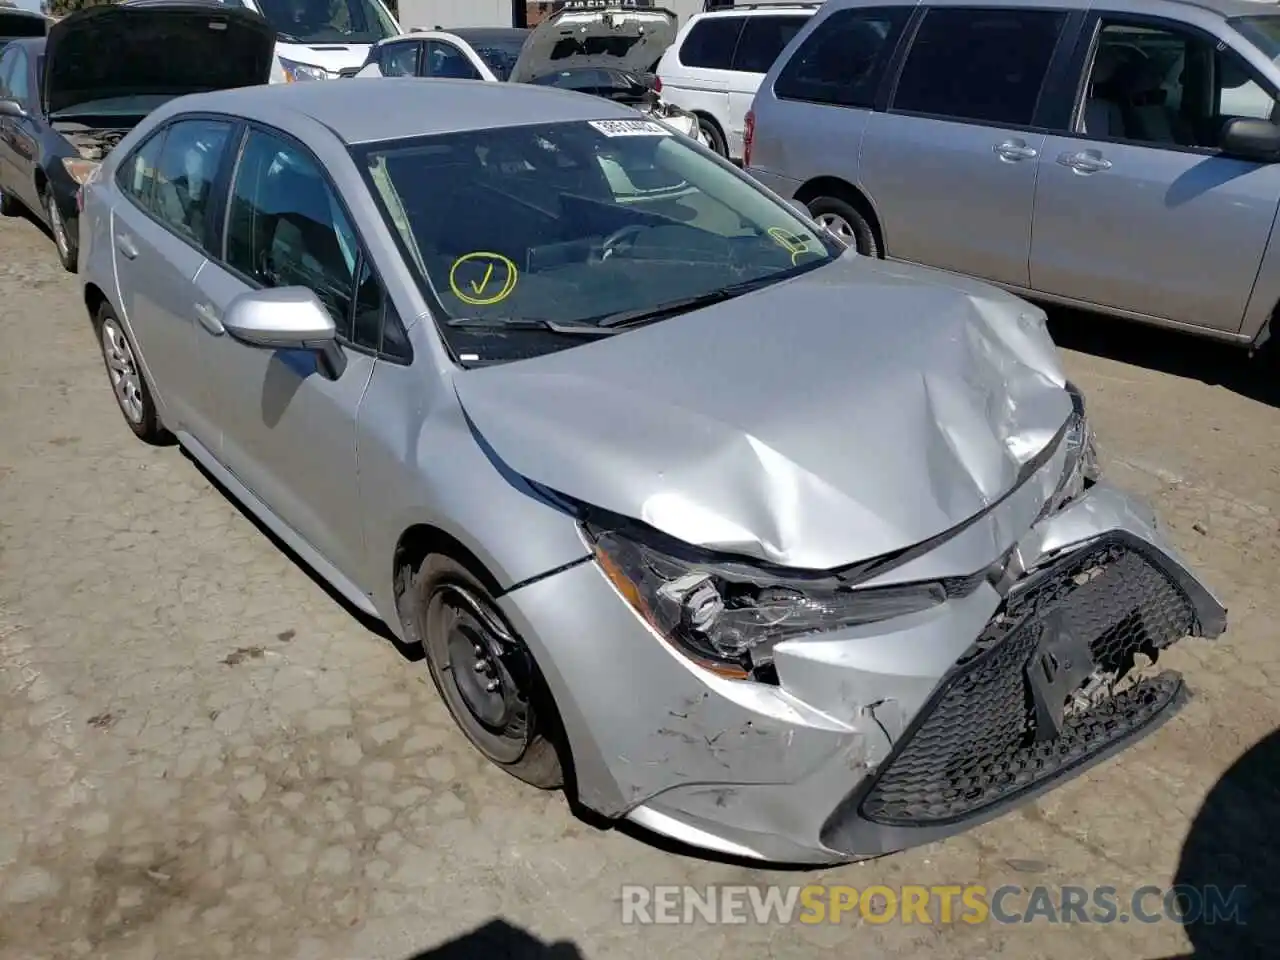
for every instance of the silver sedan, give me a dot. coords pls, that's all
(772, 548)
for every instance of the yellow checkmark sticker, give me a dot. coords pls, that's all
(483, 278)
(794, 244)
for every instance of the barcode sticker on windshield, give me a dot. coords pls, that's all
(630, 128)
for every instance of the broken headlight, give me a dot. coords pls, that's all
(1081, 469)
(727, 617)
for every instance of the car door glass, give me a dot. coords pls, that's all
(843, 60)
(445, 61)
(285, 226)
(369, 297)
(137, 175)
(18, 83)
(185, 173)
(711, 42)
(981, 65)
(399, 60)
(1238, 91)
(6, 67)
(763, 38)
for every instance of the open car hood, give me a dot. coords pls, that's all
(623, 38)
(845, 414)
(154, 49)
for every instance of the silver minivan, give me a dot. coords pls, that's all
(1118, 156)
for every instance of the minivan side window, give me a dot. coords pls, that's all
(843, 60)
(185, 172)
(763, 38)
(711, 42)
(981, 65)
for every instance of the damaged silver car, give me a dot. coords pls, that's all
(772, 548)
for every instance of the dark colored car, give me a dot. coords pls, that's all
(64, 105)
(21, 24)
(498, 47)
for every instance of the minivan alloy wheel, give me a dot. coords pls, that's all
(122, 368)
(839, 226)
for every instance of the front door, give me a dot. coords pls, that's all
(951, 167)
(159, 231)
(289, 433)
(1135, 208)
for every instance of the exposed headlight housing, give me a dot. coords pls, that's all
(80, 170)
(295, 71)
(1081, 470)
(728, 616)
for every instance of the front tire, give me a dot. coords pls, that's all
(132, 393)
(483, 671)
(66, 244)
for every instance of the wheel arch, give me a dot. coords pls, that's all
(843, 190)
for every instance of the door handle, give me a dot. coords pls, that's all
(1087, 161)
(1012, 151)
(209, 319)
(125, 245)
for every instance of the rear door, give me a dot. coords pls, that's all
(1136, 207)
(160, 231)
(951, 165)
(763, 37)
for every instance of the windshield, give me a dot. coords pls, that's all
(1262, 31)
(584, 223)
(326, 21)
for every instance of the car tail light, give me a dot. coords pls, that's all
(748, 135)
(657, 84)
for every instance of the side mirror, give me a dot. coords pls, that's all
(287, 318)
(12, 108)
(1250, 139)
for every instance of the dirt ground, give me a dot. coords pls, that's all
(204, 754)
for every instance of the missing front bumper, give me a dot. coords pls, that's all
(1003, 726)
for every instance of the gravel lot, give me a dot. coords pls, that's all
(204, 754)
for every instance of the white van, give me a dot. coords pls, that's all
(316, 39)
(719, 59)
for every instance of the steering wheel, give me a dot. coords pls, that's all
(612, 240)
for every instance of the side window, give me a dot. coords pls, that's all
(984, 65)
(286, 228)
(137, 175)
(843, 60)
(763, 38)
(1166, 86)
(185, 171)
(711, 42)
(445, 61)
(6, 67)
(18, 82)
(399, 59)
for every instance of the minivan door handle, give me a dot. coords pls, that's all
(1086, 161)
(124, 243)
(209, 319)
(1011, 151)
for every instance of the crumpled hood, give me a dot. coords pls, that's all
(845, 414)
(154, 48)
(624, 39)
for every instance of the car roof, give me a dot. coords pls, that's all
(761, 10)
(371, 109)
(1223, 8)
(490, 33)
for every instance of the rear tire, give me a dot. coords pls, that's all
(133, 395)
(847, 223)
(712, 136)
(483, 671)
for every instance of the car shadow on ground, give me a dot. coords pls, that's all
(1228, 864)
(499, 940)
(1169, 351)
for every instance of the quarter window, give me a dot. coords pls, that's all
(137, 175)
(19, 87)
(763, 38)
(447, 62)
(983, 65)
(184, 175)
(286, 228)
(399, 59)
(843, 60)
(711, 42)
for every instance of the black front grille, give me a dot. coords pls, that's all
(996, 728)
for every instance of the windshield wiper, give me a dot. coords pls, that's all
(529, 323)
(672, 308)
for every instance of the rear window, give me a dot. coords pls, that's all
(843, 60)
(14, 26)
(762, 39)
(711, 42)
